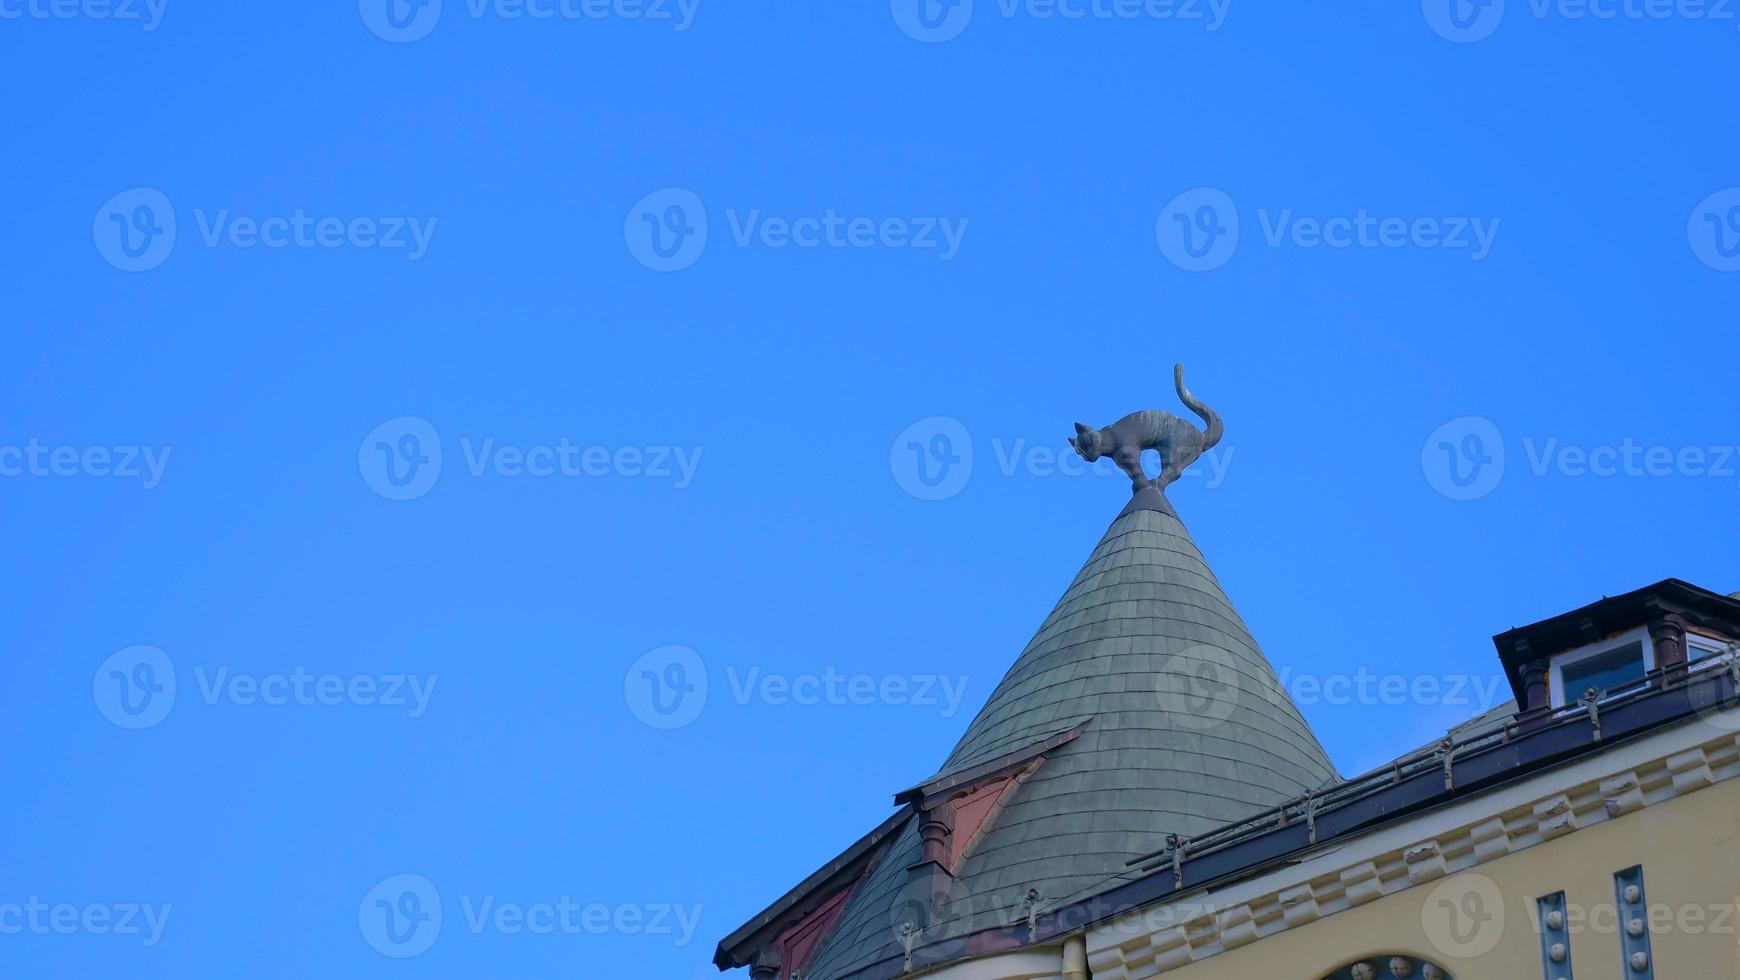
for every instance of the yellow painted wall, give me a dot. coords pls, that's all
(1690, 851)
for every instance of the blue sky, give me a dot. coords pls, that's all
(667, 299)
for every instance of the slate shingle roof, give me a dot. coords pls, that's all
(1189, 730)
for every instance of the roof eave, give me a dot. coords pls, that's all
(738, 948)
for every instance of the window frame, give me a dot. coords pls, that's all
(1556, 666)
(1718, 650)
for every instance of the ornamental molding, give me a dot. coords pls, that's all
(1448, 840)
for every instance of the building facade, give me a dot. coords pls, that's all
(1139, 797)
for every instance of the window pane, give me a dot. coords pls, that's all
(1699, 648)
(1608, 672)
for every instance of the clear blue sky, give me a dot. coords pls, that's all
(268, 558)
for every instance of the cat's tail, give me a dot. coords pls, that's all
(1211, 437)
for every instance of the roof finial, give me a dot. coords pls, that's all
(1178, 442)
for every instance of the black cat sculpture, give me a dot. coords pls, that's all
(1178, 442)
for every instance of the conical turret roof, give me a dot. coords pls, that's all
(1141, 708)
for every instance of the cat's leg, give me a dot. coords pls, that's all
(1177, 455)
(1169, 475)
(1130, 461)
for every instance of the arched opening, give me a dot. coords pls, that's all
(1396, 967)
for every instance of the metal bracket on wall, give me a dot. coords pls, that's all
(1555, 938)
(1634, 924)
(1592, 701)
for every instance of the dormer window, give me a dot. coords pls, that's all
(1609, 667)
(1662, 632)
